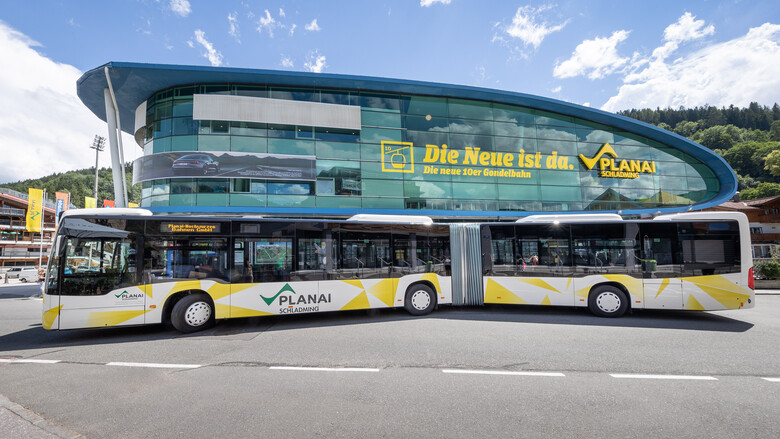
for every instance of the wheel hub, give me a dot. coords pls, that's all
(197, 314)
(608, 302)
(420, 300)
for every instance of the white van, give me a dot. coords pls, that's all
(24, 274)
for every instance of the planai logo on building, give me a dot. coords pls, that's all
(289, 302)
(621, 169)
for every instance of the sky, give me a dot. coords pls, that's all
(612, 55)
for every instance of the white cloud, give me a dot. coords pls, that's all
(734, 72)
(267, 23)
(287, 62)
(315, 62)
(191, 44)
(180, 7)
(36, 137)
(687, 28)
(557, 89)
(233, 23)
(313, 26)
(596, 58)
(426, 3)
(292, 29)
(212, 54)
(281, 13)
(527, 26)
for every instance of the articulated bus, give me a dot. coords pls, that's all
(126, 267)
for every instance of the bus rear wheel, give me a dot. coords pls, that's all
(192, 313)
(420, 300)
(607, 301)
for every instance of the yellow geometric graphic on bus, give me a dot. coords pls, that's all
(112, 318)
(546, 301)
(727, 293)
(359, 302)
(664, 284)
(383, 290)
(355, 283)
(497, 293)
(434, 279)
(50, 316)
(539, 283)
(635, 286)
(218, 290)
(693, 304)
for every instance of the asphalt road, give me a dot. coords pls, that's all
(460, 372)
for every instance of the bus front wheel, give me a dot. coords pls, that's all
(420, 300)
(192, 313)
(607, 301)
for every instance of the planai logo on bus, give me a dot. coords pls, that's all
(291, 301)
(124, 295)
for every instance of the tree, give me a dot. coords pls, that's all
(774, 129)
(772, 163)
(763, 190)
(748, 158)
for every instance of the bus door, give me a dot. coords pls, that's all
(99, 283)
(661, 265)
(263, 286)
(365, 268)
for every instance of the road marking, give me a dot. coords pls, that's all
(326, 369)
(28, 360)
(663, 377)
(155, 365)
(772, 380)
(504, 372)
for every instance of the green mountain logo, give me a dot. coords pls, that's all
(120, 294)
(286, 287)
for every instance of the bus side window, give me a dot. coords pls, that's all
(710, 248)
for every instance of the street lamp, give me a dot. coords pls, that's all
(98, 145)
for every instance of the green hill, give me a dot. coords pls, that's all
(80, 184)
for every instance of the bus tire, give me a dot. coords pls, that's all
(192, 313)
(607, 301)
(420, 300)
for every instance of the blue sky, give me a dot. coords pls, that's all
(612, 55)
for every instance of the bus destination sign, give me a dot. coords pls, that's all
(190, 228)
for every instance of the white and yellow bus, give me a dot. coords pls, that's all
(126, 267)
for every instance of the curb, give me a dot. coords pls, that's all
(36, 420)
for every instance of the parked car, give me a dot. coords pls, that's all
(195, 164)
(16, 272)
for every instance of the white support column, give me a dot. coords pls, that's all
(117, 166)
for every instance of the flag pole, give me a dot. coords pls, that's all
(43, 213)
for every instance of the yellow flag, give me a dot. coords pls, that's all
(132, 204)
(35, 210)
(90, 202)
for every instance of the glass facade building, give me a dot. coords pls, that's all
(231, 140)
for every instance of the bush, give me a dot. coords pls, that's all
(767, 270)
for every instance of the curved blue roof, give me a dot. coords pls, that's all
(135, 82)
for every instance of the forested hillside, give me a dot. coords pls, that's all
(747, 138)
(80, 183)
